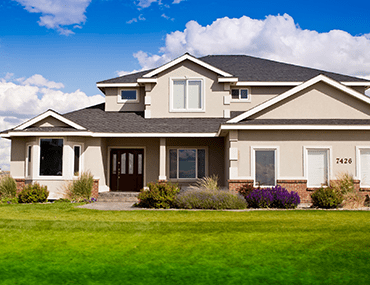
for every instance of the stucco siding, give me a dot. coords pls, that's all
(291, 145)
(319, 101)
(112, 104)
(160, 93)
(17, 157)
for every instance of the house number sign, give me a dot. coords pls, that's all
(344, 160)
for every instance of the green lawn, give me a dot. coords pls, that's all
(60, 244)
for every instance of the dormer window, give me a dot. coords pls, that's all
(128, 96)
(187, 95)
(240, 94)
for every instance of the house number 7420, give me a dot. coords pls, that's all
(344, 160)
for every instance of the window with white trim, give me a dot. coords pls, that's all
(76, 160)
(187, 95)
(187, 163)
(240, 94)
(128, 95)
(265, 167)
(29, 161)
(364, 167)
(51, 157)
(317, 167)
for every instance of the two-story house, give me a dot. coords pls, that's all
(247, 120)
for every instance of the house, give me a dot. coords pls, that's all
(248, 120)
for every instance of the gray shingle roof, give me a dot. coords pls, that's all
(249, 68)
(95, 119)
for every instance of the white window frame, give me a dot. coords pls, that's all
(196, 163)
(28, 172)
(240, 99)
(187, 79)
(358, 164)
(329, 163)
(81, 145)
(253, 162)
(65, 167)
(120, 100)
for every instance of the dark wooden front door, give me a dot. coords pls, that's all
(126, 169)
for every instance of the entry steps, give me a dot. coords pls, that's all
(118, 197)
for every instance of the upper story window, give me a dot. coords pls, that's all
(240, 94)
(128, 96)
(187, 95)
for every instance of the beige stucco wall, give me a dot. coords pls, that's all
(112, 105)
(320, 101)
(259, 94)
(291, 145)
(50, 122)
(17, 157)
(160, 93)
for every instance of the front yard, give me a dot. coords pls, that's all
(61, 244)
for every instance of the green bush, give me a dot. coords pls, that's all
(159, 195)
(326, 197)
(344, 183)
(9, 200)
(8, 187)
(202, 198)
(80, 189)
(33, 193)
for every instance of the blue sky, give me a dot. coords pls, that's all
(52, 52)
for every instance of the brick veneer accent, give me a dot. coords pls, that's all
(299, 186)
(95, 189)
(235, 185)
(21, 183)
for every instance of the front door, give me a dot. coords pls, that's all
(126, 169)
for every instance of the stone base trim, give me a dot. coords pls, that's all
(235, 185)
(299, 186)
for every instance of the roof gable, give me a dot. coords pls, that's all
(182, 58)
(274, 102)
(43, 116)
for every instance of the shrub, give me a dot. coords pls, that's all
(9, 200)
(208, 182)
(8, 187)
(275, 197)
(344, 183)
(246, 189)
(159, 195)
(79, 189)
(326, 197)
(33, 193)
(352, 200)
(201, 198)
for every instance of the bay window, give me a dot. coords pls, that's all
(51, 157)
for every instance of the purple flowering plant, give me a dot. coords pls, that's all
(275, 197)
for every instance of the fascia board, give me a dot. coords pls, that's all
(112, 135)
(117, 85)
(227, 79)
(49, 113)
(296, 127)
(292, 83)
(297, 89)
(147, 80)
(186, 57)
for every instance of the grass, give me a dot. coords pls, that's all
(61, 244)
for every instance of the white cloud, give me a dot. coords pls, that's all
(56, 14)
(122, 72)
(140, 18)
(22, 99)
(145, 3)
(177, 1)
(164, 16)
(275, 37)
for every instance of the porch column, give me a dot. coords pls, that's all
(162, 159)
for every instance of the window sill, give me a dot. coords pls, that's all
(187, 111)
(240, 101)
